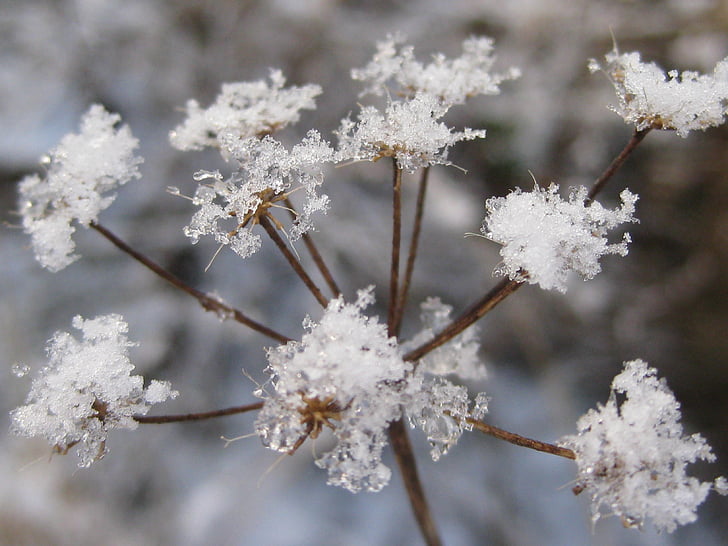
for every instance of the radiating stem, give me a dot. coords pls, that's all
(293, 261)
(208, 302)
(396, 241)
(519, 440)
(414, 245)
(408, 468)
(160, 419)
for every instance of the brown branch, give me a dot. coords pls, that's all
(519, 440)
(293, 261)
(160, 419)
(408, 468)
(616, 163)
(208, 302)
(396, 241)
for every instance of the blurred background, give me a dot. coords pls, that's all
(550, 356)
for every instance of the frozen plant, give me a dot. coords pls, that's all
(650, 99)
(631, 454)
(80, 174)
(86, 390)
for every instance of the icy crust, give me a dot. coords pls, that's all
(631, 455)
(650, 99)
(80, 174)
(268, 174)
(243, 109)
(547, 236)
(86, 390)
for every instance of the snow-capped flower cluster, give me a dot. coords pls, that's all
(268, 174)
(346, 374)
(80, 170)
(651, 99)
(632, 455)
(408, 131)
(546, 237)
(244, 109)
(86, 390)
(452, 81)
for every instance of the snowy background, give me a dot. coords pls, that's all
(550, 356)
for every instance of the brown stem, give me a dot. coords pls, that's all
(208, 302)
(293, 261)
(521, 440)
(616, 163)
(408, 468)
(159, 419)
(396, 241)
(316, 255)
(414, 243)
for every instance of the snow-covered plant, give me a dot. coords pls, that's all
(650, 99)
(631, 454)
(80, 174)
(86, 390)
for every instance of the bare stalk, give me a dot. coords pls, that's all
(519, 440)
(293, 261)
(160, 419)
(396, 241)
(616, 163)
(408, 468)
(208, 302)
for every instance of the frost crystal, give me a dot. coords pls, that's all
(451, 81)
(80, 170)
(651, 99)
(546, 237)
(408, 131)
(345, 374)
(268, 175)
(86, 390)
(244, 109)
(632, 455)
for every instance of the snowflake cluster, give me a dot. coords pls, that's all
(86, 390)
(632, 455)
(81, 171)
(650, 99)
(544, 237)
(244, 109)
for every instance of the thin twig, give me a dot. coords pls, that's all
(316, 255)
(614, 166)
(396, 241)
(293, 261)
(519, 440)
(208, 302)
(414, 244)
(408, 468)
(160, 419)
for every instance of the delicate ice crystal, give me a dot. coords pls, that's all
(86, 390)
(81, 171)
(632, 454)
(242, 110)
(650, 99)
(547, 237)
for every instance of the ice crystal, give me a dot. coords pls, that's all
(546, 237)
(268, 175)
(651, 99)
(632, 454)
(408, 131)
(86, 390)
(452, 81)
(81, 171)
(346, 374)
(244, 109)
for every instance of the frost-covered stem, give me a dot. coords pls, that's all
(519, 440)
(316, 255)
(475, 312)
(160, 419)
(396, 241)
(408, 467)
(209, 303)
(637, 137)
(414, 243)
(293, 261)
